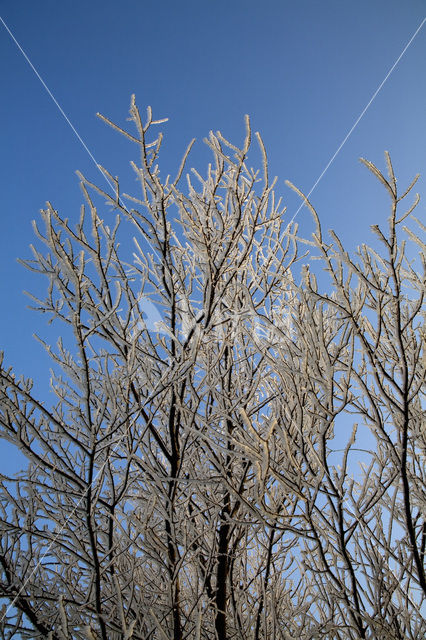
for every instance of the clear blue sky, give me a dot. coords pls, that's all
(303, 70)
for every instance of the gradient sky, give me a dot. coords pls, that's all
(303, 71)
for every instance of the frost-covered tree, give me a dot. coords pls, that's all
(250, 467)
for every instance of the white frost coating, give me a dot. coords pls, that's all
(197, 472)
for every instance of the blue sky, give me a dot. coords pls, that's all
(303, 71)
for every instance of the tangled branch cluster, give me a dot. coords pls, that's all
(253, 467)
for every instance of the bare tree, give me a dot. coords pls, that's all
(251, 467)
